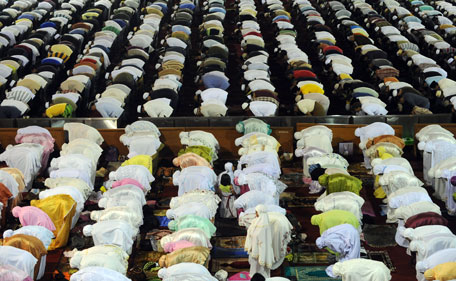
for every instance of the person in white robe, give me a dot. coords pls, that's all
(362, 269)
(259, 245)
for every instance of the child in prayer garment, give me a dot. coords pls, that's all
(315, 172)
(228, 192)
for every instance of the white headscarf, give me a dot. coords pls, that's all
(259, 239)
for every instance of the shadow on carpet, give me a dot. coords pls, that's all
(307, 273)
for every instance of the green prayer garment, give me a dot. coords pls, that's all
(68, 112)
(253, 125)
(333, 218)
(202, 151)
(340, 182)
(225, 188)
(192, 221)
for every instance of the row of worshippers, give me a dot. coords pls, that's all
(261, 95)
(381, 69)
(212, 81)
(428, 70)
(26, 92)
(163, 98)
(409, 100)
(18, 49)
(400, 96)
(89, 62)
(421, 228)
(253, 197)
(310, 98)
(46, 223)
(40, 144)
(17, 22)
(414, 17)
(125, 84)
(437, 146)
(31, 154)
(444, 52)
(87, 74)
(361, 97)
(291, 59)
(65, 54)
(437, 46)
(324, 44)
(340, 204)
(117, 224)
(192, 212)
(444, 27)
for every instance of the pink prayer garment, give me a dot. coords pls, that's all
(174, 246)
(128, 181)
(30, 215)
(240, 276)
(11, 273)
(44, 139)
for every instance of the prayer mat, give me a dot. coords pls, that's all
(306, 247)
(57, 261)
(307, 273)
(302, 202)
(218, 252)
(234, 242)
(379, 236)
(381, 256)
(292, 179)
(287, 196)
(229, 227)
(368, 180)
(313, 258)
(164, 203)
(141, 264)
(357, 169)
(230, 265)
(229, 247)
(368, 209)
(113, 166)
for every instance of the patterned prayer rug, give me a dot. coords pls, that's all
(234, 242)
(313, 258)
(381, 256)
(307, 273)
(231, 265)
(301, 202)
(292, 179)
(229, 227)
(379, 236)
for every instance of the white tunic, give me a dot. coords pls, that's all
(108, 256)
(97, 273)
(407, 211)
(362, 269)
(115, 232)
(178, 271)
(194, 177)
(433, 244)
(18, 258)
